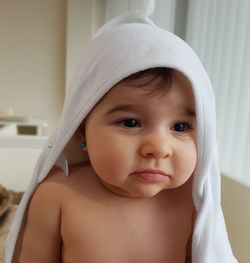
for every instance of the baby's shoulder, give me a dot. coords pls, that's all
(77, 184)
(58, 190)
(78, 173)
(56, 183)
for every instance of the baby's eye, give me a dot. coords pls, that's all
(181, 127)
(130, 123)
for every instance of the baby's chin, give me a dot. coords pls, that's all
(151, 191)
(143, 192)
(139, 194)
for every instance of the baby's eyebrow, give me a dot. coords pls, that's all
(133, 107)
(124, 107)
(188, 112)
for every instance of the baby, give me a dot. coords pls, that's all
(146, 186)
(132, 201)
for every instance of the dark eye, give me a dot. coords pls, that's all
(130, 123)
(181, 127)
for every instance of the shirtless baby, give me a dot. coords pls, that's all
(132, 202)
(131, 173)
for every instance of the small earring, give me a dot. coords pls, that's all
(83, 146)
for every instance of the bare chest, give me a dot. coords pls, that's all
(103, 233)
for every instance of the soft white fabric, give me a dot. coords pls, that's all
(126, 45)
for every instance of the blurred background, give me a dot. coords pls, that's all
(40, 45)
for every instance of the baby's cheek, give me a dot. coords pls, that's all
(190, 159)
(117, 160)
(108, 160)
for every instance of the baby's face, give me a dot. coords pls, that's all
(138, 144)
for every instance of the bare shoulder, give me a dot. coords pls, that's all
(51, 194)
(42, 238)
(57, 181)
(48, 193)
(79, 186)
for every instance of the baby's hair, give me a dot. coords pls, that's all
(154, 79)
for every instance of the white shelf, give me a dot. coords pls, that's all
(22, 141)
(36, 127)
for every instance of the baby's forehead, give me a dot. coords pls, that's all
(151, 83)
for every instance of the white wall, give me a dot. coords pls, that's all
(84, 17)
(32, 57)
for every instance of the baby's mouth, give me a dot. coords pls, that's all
(151, 175)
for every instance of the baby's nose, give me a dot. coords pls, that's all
(156, 146)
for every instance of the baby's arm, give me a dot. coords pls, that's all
(41, 241)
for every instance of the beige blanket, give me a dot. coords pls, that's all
(8, 205)
(5, 222)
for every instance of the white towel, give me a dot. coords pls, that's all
(126, 45)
